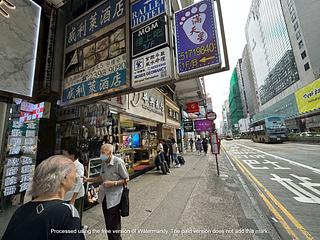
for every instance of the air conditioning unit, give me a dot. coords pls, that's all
(57, 3)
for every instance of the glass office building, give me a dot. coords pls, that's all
(271, 52)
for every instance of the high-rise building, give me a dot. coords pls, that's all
(235, 103)
(302, 22)
(270, 51)
(248, 82)
(241, 87)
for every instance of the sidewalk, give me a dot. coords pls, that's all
(191, 202)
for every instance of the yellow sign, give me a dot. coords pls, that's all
(308, 97)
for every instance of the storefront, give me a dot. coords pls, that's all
(171, 129)
(140, 126)
(87, 127)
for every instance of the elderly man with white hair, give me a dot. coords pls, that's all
(47, 216)
(113, 176)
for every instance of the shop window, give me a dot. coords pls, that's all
(303, 55)
(306, 66)
(300, 44)
(296, 26)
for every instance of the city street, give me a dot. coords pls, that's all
(287, 178)
(191, 202)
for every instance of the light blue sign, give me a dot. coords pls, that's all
(144, 10)
(95, 87)
(96, 19)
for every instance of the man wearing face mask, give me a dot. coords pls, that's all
(113, 175)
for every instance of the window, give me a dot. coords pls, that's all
(291, 9)
(306, 66)
(300, 44)
(298, 35)
(303, 55)
(296, 26)
(293, 17)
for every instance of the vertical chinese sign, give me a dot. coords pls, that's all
(196, 39)
(96, 53)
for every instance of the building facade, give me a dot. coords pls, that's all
(270, 52)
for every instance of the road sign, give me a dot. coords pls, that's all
(150, 36)
(211, 115)
(151, 68)
(143, 11)
(196, 38)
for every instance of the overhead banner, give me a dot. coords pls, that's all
(196, 39)
(151, 68)
(19, 31)
(143, 11)
(97, 66)
(192, 107)
(150, 36)
(308, 97)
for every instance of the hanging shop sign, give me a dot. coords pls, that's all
(308, 97)
(151, 68)
(150, 36)
(143, 11)
(203, 125)
(192, 107)
(147, 104)
(101, 16)
(19, 32)
(188, 125)
(211, 115)
(196, 39)
(97, 69)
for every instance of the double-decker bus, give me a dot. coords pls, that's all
(269, 130)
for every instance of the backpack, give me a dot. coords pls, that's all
(181, 160)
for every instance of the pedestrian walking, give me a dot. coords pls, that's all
(166, 151)
(191, 144)
(199, 146)
(75, 195)
(47, 216)
(175, 153)
(112, 178)
(205, 145)
(170, 155)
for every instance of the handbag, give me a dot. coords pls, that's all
(124, 202)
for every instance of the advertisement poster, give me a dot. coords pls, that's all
(203, 125)
(151, 68)
(196, 38)
(150, 36)
(143, 11)
(308, 97)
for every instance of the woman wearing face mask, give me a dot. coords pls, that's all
(112, 177)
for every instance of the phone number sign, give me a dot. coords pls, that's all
(196, 38)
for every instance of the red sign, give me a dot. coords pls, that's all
(192, 107)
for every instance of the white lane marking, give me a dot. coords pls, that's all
(301, 194)
(284, 159)
(307, 184)
(266, 161)
(253, 162)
